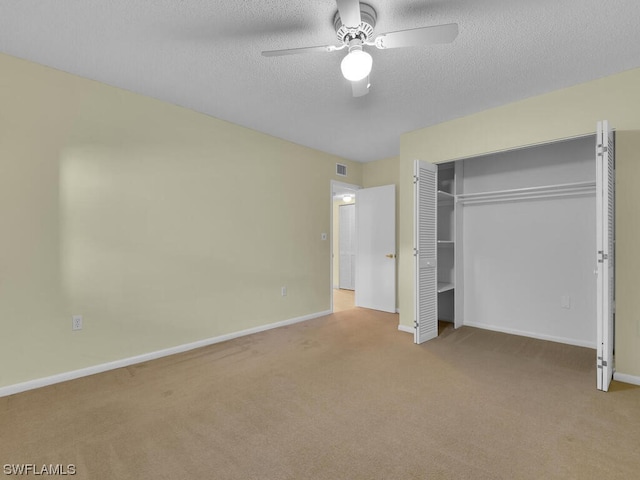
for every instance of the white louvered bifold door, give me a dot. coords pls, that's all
(605, 229)
(425, 251)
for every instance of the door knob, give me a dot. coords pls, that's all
(390, 255)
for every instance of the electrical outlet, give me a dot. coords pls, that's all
(284, 291)
(76, 322)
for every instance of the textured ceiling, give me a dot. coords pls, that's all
(205, 55)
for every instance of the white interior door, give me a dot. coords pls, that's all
(346, 245)
(425, 251)
(605, 216)
(376, 248)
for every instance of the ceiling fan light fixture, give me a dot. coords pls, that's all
(357, 64)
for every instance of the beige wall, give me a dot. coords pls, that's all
(161, 226)
(381, 172)
(560, 114)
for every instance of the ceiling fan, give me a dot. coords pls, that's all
(354, 23)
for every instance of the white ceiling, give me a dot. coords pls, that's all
(205, 55)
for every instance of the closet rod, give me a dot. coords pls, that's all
(539, 189)
(532, 196)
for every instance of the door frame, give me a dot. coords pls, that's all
(333, 184)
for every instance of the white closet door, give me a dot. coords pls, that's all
(347, 253)
(605, 216)
(425, 251)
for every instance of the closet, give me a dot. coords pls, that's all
(520, 242)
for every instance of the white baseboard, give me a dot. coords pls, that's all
(623, 377)
(512, 331)
(125, 362)
(404, 328)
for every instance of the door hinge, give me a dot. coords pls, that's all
(415, 252)
(416, 179)
(603, 256)
(415, 324)
(601, 362)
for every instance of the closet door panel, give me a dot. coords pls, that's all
(425, 251)
(605, 227)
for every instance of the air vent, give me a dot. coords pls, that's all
(341, 170)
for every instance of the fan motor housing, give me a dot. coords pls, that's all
(368, 18)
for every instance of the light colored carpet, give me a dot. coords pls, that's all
(340, 397)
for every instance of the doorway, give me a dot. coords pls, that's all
(343, 254)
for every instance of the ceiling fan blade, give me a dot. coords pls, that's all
(349, 13)
(295, 51)
(361, 87)
(418, 37)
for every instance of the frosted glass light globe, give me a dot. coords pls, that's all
(356, 65)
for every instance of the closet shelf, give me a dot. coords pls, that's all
(446, 242)
(445, 287)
